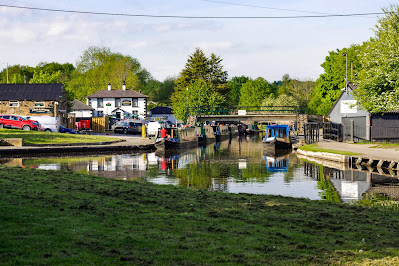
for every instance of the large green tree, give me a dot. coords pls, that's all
(253, 92)
(329, 85)
(98, 66)
(200, 72)
(378, 79)
(235, 84)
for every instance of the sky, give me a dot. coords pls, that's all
(268, 48)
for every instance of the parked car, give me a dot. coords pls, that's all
(62, 129)
(18, 122)
(128, 127)
(47, 123)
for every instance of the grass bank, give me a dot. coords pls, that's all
(40, 137)
(55, 217)
(315, 148)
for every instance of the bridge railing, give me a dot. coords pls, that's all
(241, 110)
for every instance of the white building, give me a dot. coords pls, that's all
(118, 103)
(81, 110)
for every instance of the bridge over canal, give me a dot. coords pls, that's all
(248, 114)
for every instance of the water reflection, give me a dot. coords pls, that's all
(236, 165)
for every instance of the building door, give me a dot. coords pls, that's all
(118, 115)
(358, 129)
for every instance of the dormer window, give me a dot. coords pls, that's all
(13, 103)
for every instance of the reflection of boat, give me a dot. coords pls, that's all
(205, 134)
(175, 159)
(277, 138)
(276, 164)
(176, 138)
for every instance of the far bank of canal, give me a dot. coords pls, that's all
(237, 165)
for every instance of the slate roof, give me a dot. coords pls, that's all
(31, 92)
(117, 94)
(161, 110)
(78, 105)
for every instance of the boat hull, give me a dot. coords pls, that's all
(170, 144)
(276, 147)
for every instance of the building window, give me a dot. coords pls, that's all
(13, 104)
(135, 102)
(39, 104)
(117, 102)
(100, 103)
(89, 102)
(100, 113)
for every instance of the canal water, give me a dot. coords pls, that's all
(235, 165)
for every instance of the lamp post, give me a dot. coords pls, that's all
(186, 105)
(346, 71)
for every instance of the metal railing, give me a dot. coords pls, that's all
(241, 110)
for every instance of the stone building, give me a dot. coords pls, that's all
(34, 100)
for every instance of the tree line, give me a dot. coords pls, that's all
(372, 66)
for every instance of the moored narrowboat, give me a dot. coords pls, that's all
(176, 138)
(205, 134)
(277, 138)
(221, 132)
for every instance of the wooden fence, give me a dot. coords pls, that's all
(100, 124)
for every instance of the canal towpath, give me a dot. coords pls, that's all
(371, 150)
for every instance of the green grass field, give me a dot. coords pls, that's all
(40, 137)
(56, 217)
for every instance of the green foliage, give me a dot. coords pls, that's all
(45, 77)
(98, 66)
(235, 84)
(205, 80)
(378, 86)
(160, 92)
(332, 81)
(253, 92)
(17, 74)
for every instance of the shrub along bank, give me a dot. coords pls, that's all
(54, 217)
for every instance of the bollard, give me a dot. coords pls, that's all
(143, 132)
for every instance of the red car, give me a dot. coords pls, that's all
(17, 122)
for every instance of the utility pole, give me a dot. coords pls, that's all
(7, 72)
(346, 78)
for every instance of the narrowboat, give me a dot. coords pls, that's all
(176, 138)
(221, 132)
(205, 134)
(277, 138)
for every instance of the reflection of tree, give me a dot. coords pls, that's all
(255, 172)
(329, 193)
(294, 164)
(197, 175)
(316, 171)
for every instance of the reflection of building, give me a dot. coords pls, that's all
(119, 166)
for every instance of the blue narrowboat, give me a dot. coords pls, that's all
(277, 138)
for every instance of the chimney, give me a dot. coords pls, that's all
(109, 85)
(124, 86)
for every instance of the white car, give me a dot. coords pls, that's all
(48, 123)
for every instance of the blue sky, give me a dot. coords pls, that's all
(267, 48)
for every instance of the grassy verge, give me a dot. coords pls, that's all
(39, 137)
(315, 147)
(386, 145)
(55, 217)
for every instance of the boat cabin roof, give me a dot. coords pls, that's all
(276, 127)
